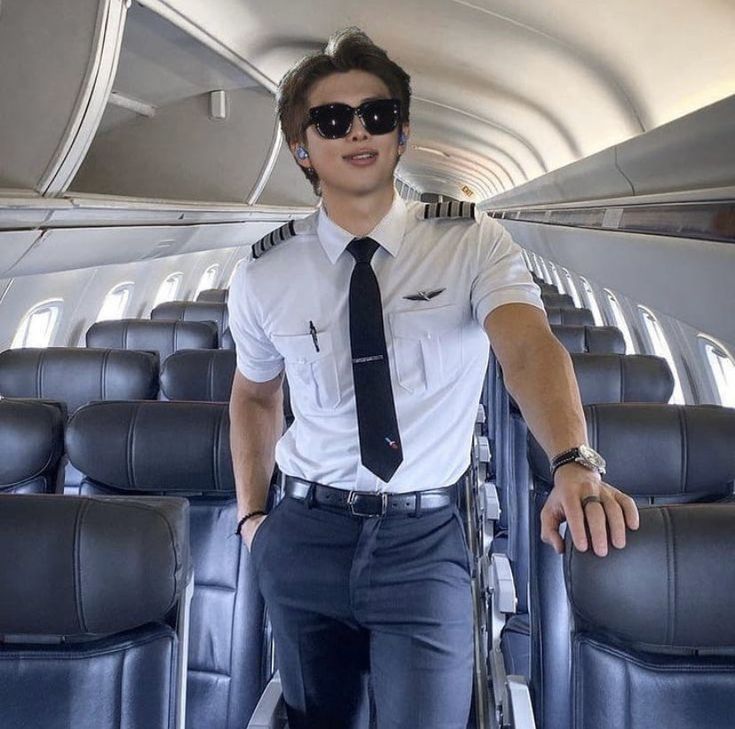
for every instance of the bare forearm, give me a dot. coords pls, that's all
(545, 388)
(255, 426)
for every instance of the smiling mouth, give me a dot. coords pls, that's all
(361, 156)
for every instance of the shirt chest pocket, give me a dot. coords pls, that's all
(313, 375)
(428, 346)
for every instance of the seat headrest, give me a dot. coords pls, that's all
(569, 317)
(82, 566)
(199, 374)
(559, 300)
(215, 311)
(214, 295)
(76, 376)
(622, 378)
(31, 440)
(164, 447)
(671, 587)
(164, 337)
(228, 341)
(658, 450)
(596, 340)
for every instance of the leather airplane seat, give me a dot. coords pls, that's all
(198, 374)
(659, 455)
(162, 336)
(92, 611)
(183, 449)
(32, 444)
(215, 295)
(569, 317)
(214, 311)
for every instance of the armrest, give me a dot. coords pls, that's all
(492, 501)
(521, 709)
(270, 711)
(483, 446)
(480, 418)
(504, 588)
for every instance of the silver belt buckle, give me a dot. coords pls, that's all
(354, 494)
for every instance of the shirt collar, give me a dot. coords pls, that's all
(388, 232)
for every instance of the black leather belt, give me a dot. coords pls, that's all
(371, 503)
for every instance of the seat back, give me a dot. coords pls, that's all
(199, 374)
(569, 317)
(76, 376)
(163, 337)
(183, 448)
(652, 624)
(215, 311)
(595, 340)
(563, 301)
(91, 598)
(659, 454)
(32, 446)
(218, 295)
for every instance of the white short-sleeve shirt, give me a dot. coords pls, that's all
(439, 279)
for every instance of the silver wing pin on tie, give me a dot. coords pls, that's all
(424, 295)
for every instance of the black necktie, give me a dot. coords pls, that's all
(380, 442)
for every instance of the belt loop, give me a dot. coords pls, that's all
(311, 496)
(417, 507)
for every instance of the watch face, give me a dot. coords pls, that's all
(591, 455)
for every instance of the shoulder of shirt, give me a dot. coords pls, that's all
(288, 231)
(448, 210)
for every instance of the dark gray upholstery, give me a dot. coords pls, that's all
(602, 378)
(164, 337)
(219, 295)
(183, 448)
(32, 446)
(199, 374)
(658, 454)
(562, 301)
(76, 376)
(595, 340)
(227, 341)
(90, 587)
(215, 311)
(569, 317)
(653, 642)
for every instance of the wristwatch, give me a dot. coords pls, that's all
(584, 455)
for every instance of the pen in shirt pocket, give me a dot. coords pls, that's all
(312, 331)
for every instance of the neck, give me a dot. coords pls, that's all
(358, 214)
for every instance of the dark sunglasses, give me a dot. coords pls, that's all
(334, 121)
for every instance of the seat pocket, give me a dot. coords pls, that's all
(428, 346)
(312, 375)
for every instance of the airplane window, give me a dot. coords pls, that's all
(116, 301)
(526, 258)
(620, 322)
(537, 266)
(234, 271)
(661, 348)
(557, 278)
(38, 326)
(592, 302)
(208, 279)
(572, 289)
(722, 366)
(169, 289)
(545, 270)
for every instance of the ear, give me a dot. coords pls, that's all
(303, 163)
(405, 128)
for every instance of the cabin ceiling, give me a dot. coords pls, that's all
(507, 91)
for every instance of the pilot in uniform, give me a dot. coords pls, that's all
(364, 565)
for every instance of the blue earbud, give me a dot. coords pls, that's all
(301, 153)
(403, 139)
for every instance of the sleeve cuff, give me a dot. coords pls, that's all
(259, 374)
(511, 296)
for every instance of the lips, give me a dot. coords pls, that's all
(369, 154)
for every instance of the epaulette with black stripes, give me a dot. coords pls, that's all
(447, 209)
(286, 231)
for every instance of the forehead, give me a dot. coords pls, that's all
(349, 87)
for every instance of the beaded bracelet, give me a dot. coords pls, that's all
(245, 518)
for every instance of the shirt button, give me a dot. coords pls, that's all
(428, 336)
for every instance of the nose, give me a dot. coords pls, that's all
(358, 130)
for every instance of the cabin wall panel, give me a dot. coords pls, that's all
(13, 245)
(689, 280)
(45, 52)
(287, 185)
(183, 154)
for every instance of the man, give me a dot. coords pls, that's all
(382, 320)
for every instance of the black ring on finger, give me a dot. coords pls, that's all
(591, 500)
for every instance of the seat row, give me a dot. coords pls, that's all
(86, 593)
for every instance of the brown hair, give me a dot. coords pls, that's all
(346, 50)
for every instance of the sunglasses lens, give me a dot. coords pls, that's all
(380, 117)
(332, 121)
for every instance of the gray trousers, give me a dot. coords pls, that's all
(353, 600)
